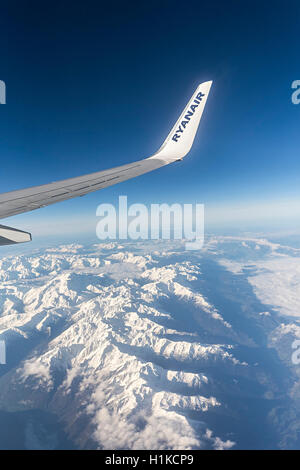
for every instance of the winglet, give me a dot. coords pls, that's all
(181, 138)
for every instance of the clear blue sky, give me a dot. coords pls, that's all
(91, 85)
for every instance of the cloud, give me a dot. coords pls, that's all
(160, 430)
(36, 368)
(151, 426)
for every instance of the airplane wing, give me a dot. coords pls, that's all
(175, 147)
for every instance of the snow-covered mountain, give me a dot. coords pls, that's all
(143, 346)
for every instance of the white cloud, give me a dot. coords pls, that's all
(36, 368)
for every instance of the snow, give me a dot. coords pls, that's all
(121, 362)
(123, 339)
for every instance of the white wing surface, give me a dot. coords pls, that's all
(175, 147)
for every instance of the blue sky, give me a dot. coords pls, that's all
(91, 86)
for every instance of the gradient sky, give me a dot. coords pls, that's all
(91, 85)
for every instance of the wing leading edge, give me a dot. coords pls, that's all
(175, 147)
